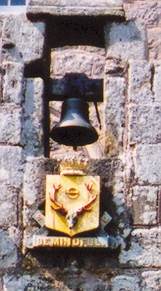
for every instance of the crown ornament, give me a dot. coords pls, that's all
(73, 167)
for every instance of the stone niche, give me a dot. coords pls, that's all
(76, 44)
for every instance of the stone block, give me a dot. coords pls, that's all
(15, 232)
(77, 60)
(33, 187)
(159, 206)
(147, 162)
(144, 250)
(11, 166)
(119, 201)
(27, 282)
(125, 282)
(144, 124)
(34, 179)
(125, 41)
(8, 251)
(118, 191)
(8, 206)
(10, 125)
(87, 281)
(144, 205)
(75, 3)
(114, 108)
(12, 83)
(157, 83)
(1, 284)
(24, 45)
(1, 78)
(145, 12)
(33, 117)
(140, 77)
(1, 26)
(151, 280)
(154, 43)
(72, 7)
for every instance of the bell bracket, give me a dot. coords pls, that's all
(76, 84)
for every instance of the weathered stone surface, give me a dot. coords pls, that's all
(25, 44)
(147, 160)
(15, 232)
(27, 282)
(118, 195)
(154, 43)
(97, 149)
(1, 26)
(140, 73)
(10, 125)
(1, 284)
(125, 282)
(144, 124)
(151, 281)
(149, 12)
(119, 200)
(77, 60)
(8, 251)
(33, 117)
(87, 281)
(125, 41)
(72, 7)
(33, 186)
(12, 82)
(140, 76)
(144, 205)
(8, 206)
(11, 165)
(144, 249)
(47, 282)
(115, 67)
(114, 111)
(1, 74)
(157, 83)
(34, 179)
(74, 3)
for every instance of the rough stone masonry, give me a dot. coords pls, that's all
(122, 46)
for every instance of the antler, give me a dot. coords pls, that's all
(92, 198)
(55, 204)
(89, 187)
(72, 215)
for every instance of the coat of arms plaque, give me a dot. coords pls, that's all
(72, 201)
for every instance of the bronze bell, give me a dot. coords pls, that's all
(74, 128)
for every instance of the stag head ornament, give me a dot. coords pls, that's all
(72, 201)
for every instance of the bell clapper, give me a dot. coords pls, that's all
(98, 116)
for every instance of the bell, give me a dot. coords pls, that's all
(74, 128)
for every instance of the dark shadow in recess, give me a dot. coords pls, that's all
(76, 85)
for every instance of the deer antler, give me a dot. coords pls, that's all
(89, 187)
(92, 198)
(55, 204)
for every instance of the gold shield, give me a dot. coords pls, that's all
(72, 203)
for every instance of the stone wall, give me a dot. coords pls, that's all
(127, 155)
